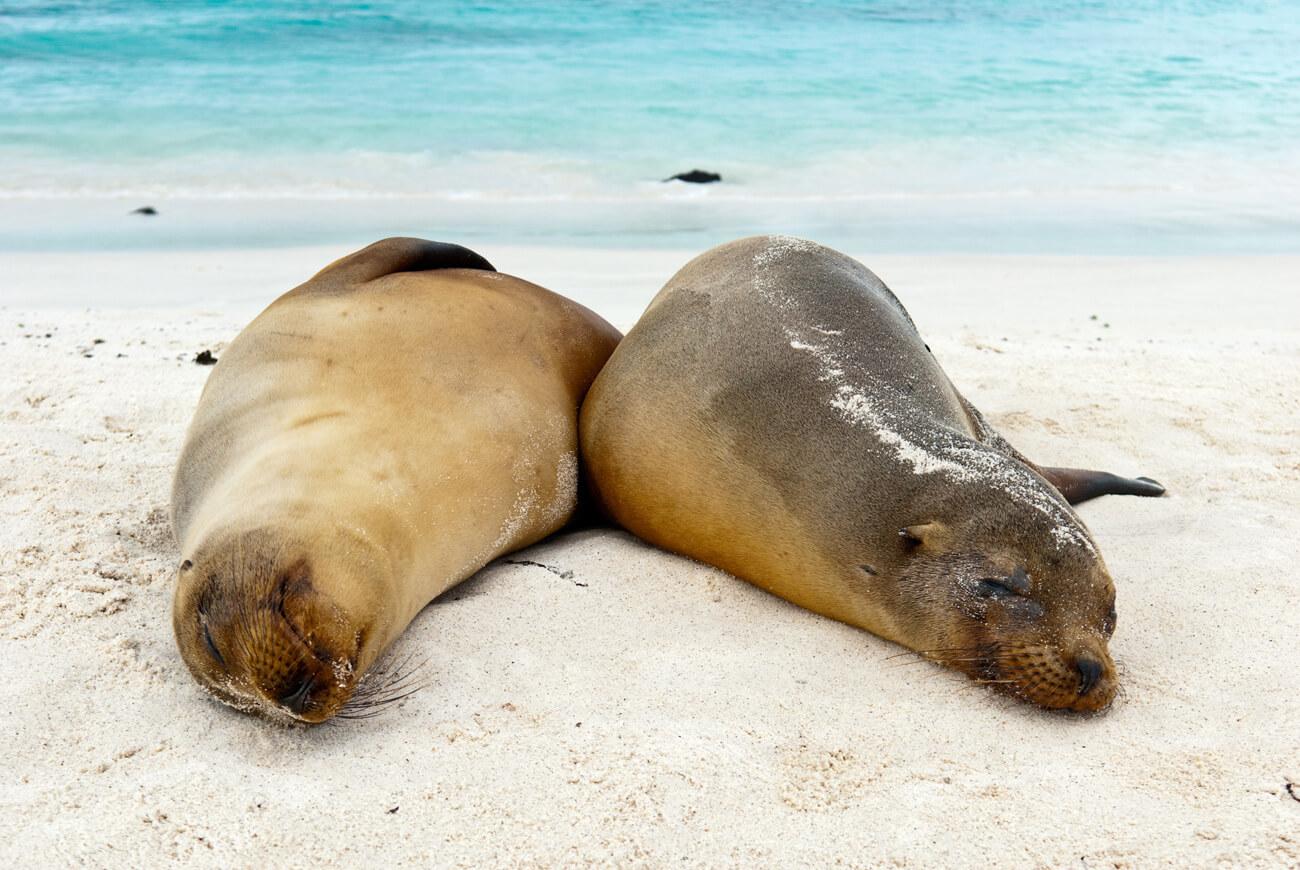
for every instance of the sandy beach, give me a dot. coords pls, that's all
(634, 708)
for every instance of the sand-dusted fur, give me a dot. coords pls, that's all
(371, 439)
(775, 413)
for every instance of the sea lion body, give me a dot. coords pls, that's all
(374, 437)
(775, 413)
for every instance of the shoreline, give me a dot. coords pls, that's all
(688, 217)
(664, 711)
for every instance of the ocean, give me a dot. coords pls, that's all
(1092, 126)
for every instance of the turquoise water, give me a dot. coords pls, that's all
(1018, 125)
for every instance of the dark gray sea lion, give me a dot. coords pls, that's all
(775, 413)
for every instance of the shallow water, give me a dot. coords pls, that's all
(1082, 126)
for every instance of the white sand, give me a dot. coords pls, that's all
(649, 710)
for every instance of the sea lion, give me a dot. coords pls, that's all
(372, 438)
(776, 414)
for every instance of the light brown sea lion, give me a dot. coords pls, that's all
(775, 413)
(374, 437)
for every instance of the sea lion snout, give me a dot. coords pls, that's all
(1084, 681)
(292, 652)
(319, 645)
(261, 633)
(1096, 680)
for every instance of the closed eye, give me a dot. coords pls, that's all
(1002, 587)
(989, 588)
(212, 647)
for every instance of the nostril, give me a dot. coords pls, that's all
(295, 700)
(1089, 673)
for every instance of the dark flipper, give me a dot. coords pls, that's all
(1080, 484)
(399, 255)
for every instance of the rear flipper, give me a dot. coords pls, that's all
(1080, 484)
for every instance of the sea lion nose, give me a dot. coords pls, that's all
(295, 698)
(1089, 673)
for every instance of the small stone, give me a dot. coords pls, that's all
(696, 176)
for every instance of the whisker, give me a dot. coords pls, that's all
(388, 680)
(917, 661)
(385, 685)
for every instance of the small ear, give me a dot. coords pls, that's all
(922, 535)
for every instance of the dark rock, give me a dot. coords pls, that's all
(205, 358)
(146, 210)
(696, 176)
